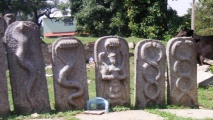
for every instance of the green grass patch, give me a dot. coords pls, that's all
(205, 97)
(166, 115)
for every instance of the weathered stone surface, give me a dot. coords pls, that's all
(26, 65)
(208, 61)
(69, 71)
(150, 59)
(2, 26)
(47, 53)
(204, 79)
(9, 18)
(4, 103)
(182, 71)
(112, 70)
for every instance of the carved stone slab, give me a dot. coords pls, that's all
(70, 79)
(4, 103)
(26, 65)
(112, 70)
(182, 71)
(150, 60)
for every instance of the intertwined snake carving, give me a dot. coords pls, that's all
(23, 57)
(63, 52)
(151, 63)
(187, 75)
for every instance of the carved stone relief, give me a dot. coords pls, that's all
(150, 59)
(26, 66)
(112, 70)
(182, 71)
(4, 103)
(70, 79)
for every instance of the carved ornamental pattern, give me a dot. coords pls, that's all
(182, 82)
(150, 73)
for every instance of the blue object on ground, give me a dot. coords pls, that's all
(98, 103)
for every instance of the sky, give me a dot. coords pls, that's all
(181, 6)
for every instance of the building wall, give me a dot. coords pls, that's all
(50, 27)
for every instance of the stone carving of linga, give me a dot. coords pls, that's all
(150, 60)
(112, 70)
(70, 79)
(182, 69)
(26, 66)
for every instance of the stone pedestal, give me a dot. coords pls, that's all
(26, 66)
(69, 71)
(112, 70)
(150, 60)
(182, 71)
(4, 103)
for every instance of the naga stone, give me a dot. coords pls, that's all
(182, 71)
(26, 66)
(4, 103)
(70, 77)
(150, 60)
(112, 70)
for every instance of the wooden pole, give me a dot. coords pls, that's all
(193, 15)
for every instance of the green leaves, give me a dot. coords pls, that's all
(204, 17)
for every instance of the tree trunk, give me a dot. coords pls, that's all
(193, 15)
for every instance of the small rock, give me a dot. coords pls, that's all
(34, 115)
(131, 45)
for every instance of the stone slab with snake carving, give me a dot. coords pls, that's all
(182, 71)
(150, 60)
(26, 67)
(69, 71)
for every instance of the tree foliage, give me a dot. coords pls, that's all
(102, 17)
(145, 18)
(29, 9)
(204, 17)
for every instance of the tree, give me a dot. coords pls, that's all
(204, 17)
(147, 18)
(29, 9)
(102, 17)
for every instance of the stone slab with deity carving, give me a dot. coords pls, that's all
(112, 70)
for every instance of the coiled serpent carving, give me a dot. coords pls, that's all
(183, 76)
(63, 51)
(151, 63)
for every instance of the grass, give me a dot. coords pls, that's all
(205, 96)
(166, 115)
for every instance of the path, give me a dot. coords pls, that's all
(143, 115)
